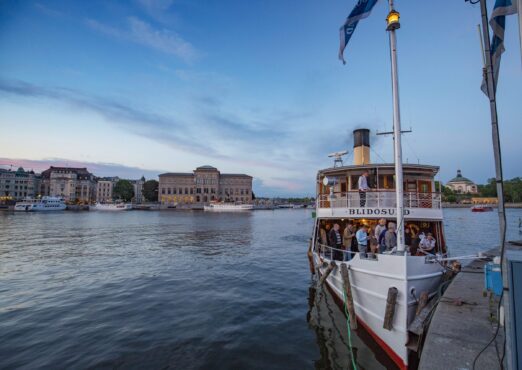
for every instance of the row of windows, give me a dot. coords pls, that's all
(226, 191)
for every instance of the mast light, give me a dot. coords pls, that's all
(392, 20)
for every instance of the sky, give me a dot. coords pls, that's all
(149, 86)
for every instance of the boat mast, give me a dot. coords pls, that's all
(393, 24)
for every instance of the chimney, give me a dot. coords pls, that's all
(361, 146)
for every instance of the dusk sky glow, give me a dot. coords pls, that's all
(149, 86)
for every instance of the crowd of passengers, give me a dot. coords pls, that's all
(382, 238)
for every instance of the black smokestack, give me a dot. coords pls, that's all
(361, 137)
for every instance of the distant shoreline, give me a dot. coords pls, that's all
(456, 205)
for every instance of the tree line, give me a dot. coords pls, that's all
(512, 191)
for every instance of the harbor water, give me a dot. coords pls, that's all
(181, 289)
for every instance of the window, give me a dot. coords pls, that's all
(168, 191)
(186, 191)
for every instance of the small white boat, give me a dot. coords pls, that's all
(44, 204)
(113, 207)
(228, 207)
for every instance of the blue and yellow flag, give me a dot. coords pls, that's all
(498, 25)
(361, 10)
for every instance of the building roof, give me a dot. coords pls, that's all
(78, 170)
(176, 174)
(460, 178)
(206, 167)
(234, 175)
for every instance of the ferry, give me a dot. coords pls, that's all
(408, 270)
(44, 204)
(481, 208)
(228, 207)
(114, 207)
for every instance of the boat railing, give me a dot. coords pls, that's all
(379, 198)
(326, 251)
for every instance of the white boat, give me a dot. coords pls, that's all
(228, 207)
(372, 275)
(113, 207)
(44, 204)
(402, 193)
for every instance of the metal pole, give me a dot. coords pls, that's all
(399, 191)
(491, 87)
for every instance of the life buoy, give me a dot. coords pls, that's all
(414, 229)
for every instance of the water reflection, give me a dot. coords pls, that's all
(329, 324)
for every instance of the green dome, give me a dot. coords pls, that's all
(460, 178)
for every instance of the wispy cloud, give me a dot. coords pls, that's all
(220, 136)
(142, 33)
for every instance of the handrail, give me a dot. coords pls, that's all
(352, 199)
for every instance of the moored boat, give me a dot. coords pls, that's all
(481, 208)
(114, 207)
(411, 271)
(43, 204)
(228, 207)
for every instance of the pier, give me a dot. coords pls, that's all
(464, 322)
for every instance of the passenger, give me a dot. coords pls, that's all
(382, 240)
(348, 237)
(390, 238)
(336, 242)
(379, 228)
(362, 239)
(427, 244)
(363, 188)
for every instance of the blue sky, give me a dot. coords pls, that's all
(147, 86)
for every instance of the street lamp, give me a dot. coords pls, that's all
(392, 20)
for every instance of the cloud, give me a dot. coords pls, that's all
(219, 136)
(97, 168)
(142, 33)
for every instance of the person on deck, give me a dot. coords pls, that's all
(348, 237)
(336, 242)
(381, 226)
(427, 244)
(390, 238)
(408, 241)
(363, 188)
(362, 239)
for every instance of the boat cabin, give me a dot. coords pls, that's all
(340, 201)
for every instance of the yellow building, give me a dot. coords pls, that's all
(490, 200)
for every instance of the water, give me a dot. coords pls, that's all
(180, 290)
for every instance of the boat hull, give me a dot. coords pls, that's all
(113, 207)
(229, 208)
(370, 280)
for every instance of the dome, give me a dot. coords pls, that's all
(206, 167)
(460, 178)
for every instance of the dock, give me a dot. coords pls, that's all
(464, 322)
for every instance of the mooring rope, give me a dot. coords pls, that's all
(349, 332)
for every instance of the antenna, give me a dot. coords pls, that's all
(338, 157)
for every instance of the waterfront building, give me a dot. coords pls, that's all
(73, 184)
(138, 189)
(462, 185)
(104, 188)
(19, 184)
(485, 200)
(205, 184)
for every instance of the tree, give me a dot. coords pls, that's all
(150, 190)
(123, 190)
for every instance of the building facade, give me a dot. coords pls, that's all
(138, 190)
(104, 189)
(462, 185)
(19, 184)
(72, 184)
(204, 185)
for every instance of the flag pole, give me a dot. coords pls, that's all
(393, 24)
(491, 89)
(491, 92)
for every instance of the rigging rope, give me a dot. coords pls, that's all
(349, 332)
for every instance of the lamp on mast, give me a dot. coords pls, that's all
(392, 20)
